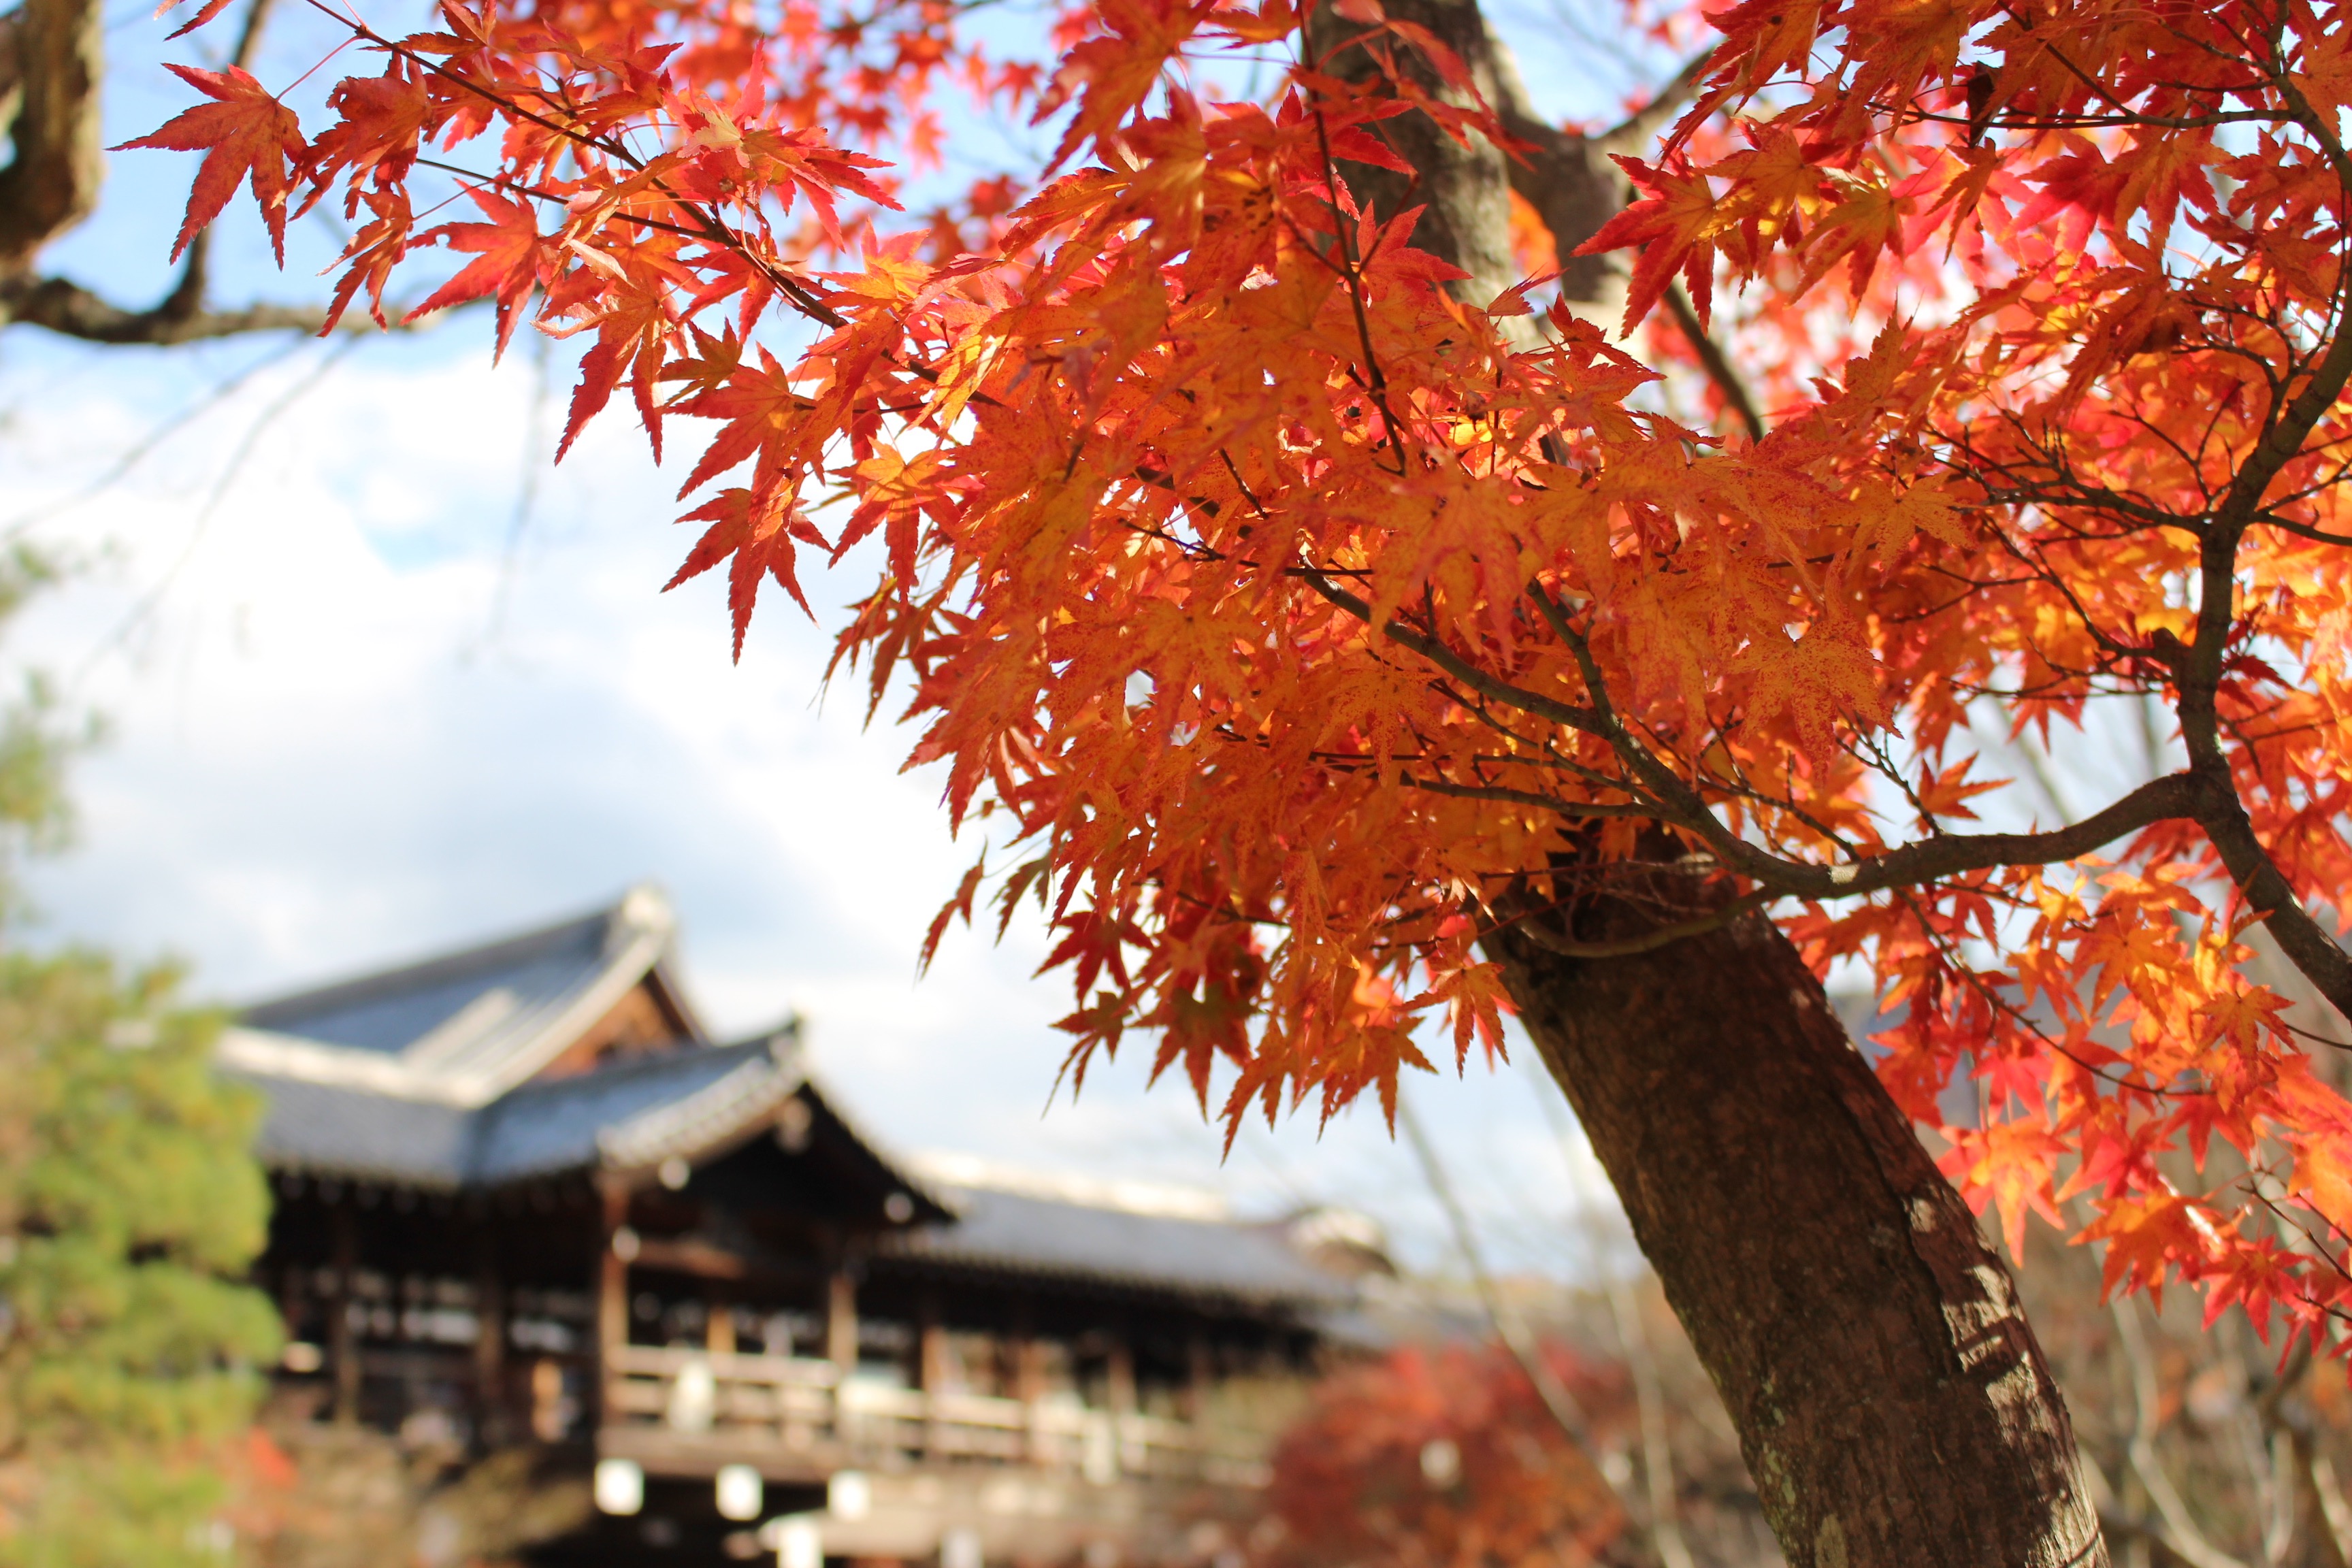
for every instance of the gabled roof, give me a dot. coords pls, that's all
(630, 1115)
(464, 1029)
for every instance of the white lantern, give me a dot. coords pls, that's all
(849, 1495)
(798, 1542)
(740, 1492)
(693, 1398)
(960, 1549)
(620, 1485)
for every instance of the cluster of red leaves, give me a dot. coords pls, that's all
(1299, 615)
(1442, 1458)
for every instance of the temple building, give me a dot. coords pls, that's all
(525, 1201)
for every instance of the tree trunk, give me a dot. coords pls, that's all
(1891, 1400)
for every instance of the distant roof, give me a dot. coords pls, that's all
(947, 1168)
(1019, 1232)
(464, 1027)
(630, 1115)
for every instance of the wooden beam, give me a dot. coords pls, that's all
(698, 1258)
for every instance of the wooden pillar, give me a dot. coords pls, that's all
(1125, 1432)
(489, 1342)
(291, 1289)
(342, 1343)
(1028, 1363)
(611, 1296)
(1122, 1376)
(931, 1370)
(1200, 1374)
(547, 1422)
(841, 1319)
(1029, 1381)
(841, 1346)
(931, 1350)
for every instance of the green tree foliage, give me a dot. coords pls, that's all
(129, 1210)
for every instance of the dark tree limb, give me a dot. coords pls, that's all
(51, 184)
(69, 309)
(1466, 189)
(1717, 365)
(51, 67)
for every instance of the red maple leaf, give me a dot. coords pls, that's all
(757, 527)
(244, 133)
(510, 258)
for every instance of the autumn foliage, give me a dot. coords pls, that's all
(1440, 1456)
(1305, 620)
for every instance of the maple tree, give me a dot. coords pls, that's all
(1442, 1456)
(1352, 635)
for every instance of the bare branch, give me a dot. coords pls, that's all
(1711, 360)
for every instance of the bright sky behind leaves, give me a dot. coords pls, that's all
(359, 713)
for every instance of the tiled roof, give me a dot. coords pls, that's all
(464, 1027)
(1020, 1234)
(392, 1011)
(627, 1116)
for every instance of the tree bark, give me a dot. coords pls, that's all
(56, 49)
(1892, 1403)
(1567, 178)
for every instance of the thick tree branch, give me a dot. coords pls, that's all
(2197, 668)
(1711, 359)
(52, 182)
(72, 310)
(1659, 791)
(2303, 939)
(1464, 188)
(1573, 186)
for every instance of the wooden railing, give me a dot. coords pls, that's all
(804, 1406)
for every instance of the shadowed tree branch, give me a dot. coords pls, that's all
(58, 56)
(1565, 176)
(51, 64)
(68, 307)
